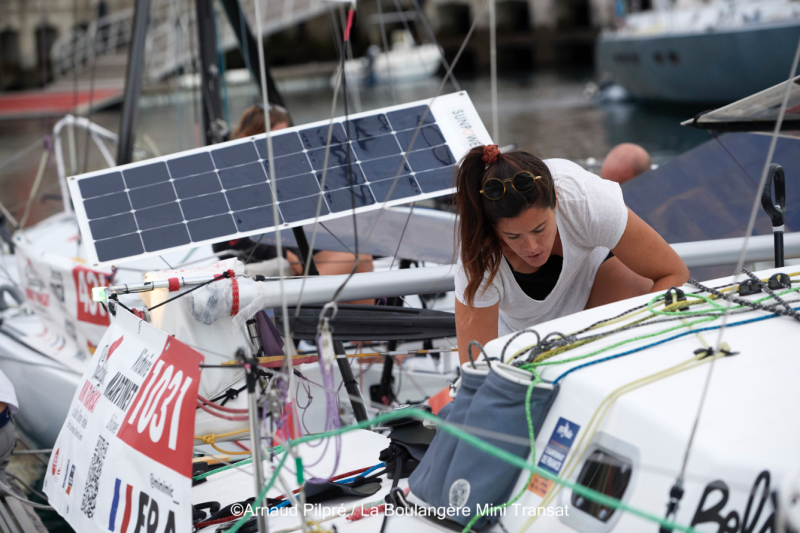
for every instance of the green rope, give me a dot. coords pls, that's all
(530, 366)
(257, 503)
(490, 449)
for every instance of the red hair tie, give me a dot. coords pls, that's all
(490, 153)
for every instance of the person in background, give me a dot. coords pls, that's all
(624, 162)
(329, 263)
(8, 434)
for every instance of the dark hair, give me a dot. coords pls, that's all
(252, 121)
(477, 215)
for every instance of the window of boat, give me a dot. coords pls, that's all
(607, 474)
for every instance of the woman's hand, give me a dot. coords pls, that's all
(475, 324)
(645, 252)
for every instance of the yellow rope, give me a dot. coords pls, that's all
(599, 415)
(211, 440)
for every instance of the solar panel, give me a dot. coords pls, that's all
(223, 192)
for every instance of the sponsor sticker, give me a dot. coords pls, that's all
(554, 455)
(129, 435)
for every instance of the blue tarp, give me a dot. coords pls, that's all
(704, 194)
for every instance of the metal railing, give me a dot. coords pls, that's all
(171, 37)
(105, 36)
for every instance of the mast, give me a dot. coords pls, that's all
(133, 83)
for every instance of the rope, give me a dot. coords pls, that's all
(219, 407)
(10, 492)
(221, 415)
(599, 415)
(487, 448)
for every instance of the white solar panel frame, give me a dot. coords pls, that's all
(454, 114)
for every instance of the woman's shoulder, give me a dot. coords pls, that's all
(568, 172)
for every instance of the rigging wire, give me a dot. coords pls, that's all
(742, 253)
(411, 143)
(432, 37)
(386, 51)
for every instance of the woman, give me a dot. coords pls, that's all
(535, 238)
(328, 262)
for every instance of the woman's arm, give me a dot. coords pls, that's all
(475, 324)
(645, 252)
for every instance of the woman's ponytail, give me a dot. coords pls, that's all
(479, 245)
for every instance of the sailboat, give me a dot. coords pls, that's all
(635, 413)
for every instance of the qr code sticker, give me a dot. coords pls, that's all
(93, 479)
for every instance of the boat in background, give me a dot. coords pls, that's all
(705, 53)
(405, 62)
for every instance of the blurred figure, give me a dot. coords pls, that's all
(329, 263)
(624, 162)
(252, 121)
(8, 433)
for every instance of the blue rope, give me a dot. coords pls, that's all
(709, 328)
(348, 480)
(364, 473)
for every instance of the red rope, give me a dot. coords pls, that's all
(349, 25)
(220, 415)
(201, 525)
(235, 289)
(220, 407)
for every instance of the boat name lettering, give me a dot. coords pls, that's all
(143, 362)
(121, 391)
(731, 522)
(161, 486)
(89, 396)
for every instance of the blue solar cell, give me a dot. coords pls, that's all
(297, 187)
(197, 185)
(361, 128)
(290, 165)
(427, 137)
(204, 206)
(146, 175)
(237, 154)
(381, 169)
(112, 226)
(101, 185)
(302, 209)
(211, 227)
(406, 187)
(342, 200)
(242, 176)
(318, 136)
(256, 218)
(190, 165)
(337, 178)
(247, 197)
(336, 157)
(160, 215)
(152, 195)
(437, 180)
(282, 144)
(438, 157)
(165, 237)
(105, 206)
(375, 147)
(409, 118)
(125, 246)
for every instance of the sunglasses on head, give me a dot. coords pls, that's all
(522, 181)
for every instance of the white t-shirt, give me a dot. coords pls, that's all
(7, 393)
(591, 217)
